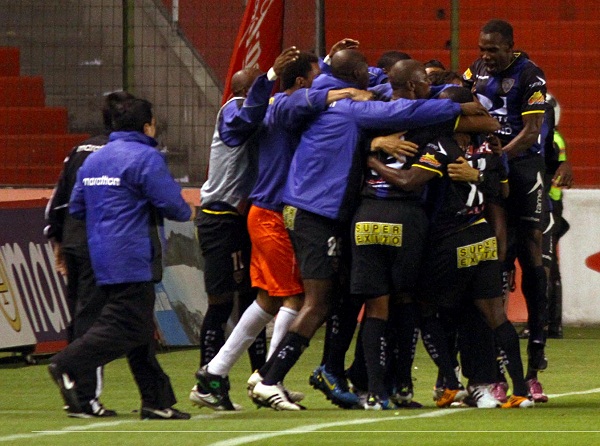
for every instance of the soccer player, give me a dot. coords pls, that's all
(461, 264)
(320, 192)
(221, 223)
(273, 267)
(513, 90)
(389, 233)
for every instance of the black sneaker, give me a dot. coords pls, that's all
(169, 413)
(537, 356)
(403, 398)
(97, 410)
(212, 391)
(67, 389)
(555, 332)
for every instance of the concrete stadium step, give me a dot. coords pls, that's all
(37, 150)
(33, 120)
(21, 91)
(29, 175)
(10, 61)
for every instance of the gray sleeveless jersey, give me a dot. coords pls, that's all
(231, 171)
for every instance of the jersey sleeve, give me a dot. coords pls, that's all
(236, 124)
(533, 84)
(469, 75)
(292, 111)
(434, 158)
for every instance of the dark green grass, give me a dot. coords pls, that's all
(30, 408)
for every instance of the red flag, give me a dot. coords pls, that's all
(259, 39)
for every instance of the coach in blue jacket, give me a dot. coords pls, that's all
(123, 191)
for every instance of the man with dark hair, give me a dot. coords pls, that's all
(273, 268)
(123, 191)
(69, 241)
(221, 222)
(433, 65)
(387, 60)
(320, 193)
(443, 77)
(461, 265)
(389, 230)
(513, 90)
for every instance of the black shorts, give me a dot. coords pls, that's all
(388, 237)
(461, 267)
(526, 200)
(225, 246)
(320, 244)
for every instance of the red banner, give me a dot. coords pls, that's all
(259, 39)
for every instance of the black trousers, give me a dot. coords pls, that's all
(85, 301)
(125, 326)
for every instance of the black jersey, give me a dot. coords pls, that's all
(518, 90)
(483, 158)
(451, 205)
(58, 219)
(376, 187)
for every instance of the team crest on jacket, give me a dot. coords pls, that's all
(507, 84)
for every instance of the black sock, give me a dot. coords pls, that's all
(406, 323)
(437, 348)
(287, 354)
(212, 333)
(535, 290)
(477, 347)
(508, 339)
(340, 337)
(257, 352)
(374, 346)
(357, 372)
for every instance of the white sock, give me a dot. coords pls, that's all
(284, 319)
(243, 335)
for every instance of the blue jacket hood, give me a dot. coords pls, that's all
(133, 136)
(329, 82)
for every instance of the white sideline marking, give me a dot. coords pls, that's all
(86, 427)
(260, 435)
(311, 428)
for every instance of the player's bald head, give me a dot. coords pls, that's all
(242, 80)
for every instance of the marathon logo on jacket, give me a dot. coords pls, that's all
(104, 180)
(471, 255)
(89, 148)
(375, 233)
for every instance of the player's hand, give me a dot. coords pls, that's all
(59, 259)
(359, 95)
(494, 143)
(395, 145)
(563, 176)
(473, 108)
(286, 57)
(462, 171)
(344, 44)
(192, 210)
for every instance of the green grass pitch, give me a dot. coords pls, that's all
(30, 408)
